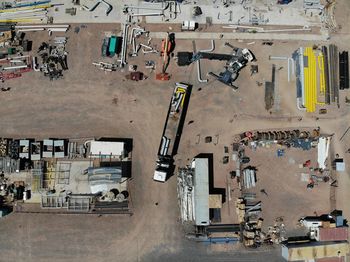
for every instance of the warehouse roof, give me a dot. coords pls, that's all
(332, 234)
(314, 250)
(106, 148)
(201, 191)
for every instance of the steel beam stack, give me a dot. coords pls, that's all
(333, 73)
(343, 70)
(326, 75)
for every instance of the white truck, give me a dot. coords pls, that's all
(172, 131)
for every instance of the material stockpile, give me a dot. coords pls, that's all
(248, 216)
(25, 12)
(36, 28)
(249, 177)
(276, 233)
(321, 72)
(13, 60)
(3, 147)
(54, 58)
(13, 149)
(289, 138)
(343, 70)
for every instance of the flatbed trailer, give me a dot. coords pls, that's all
(172, 131)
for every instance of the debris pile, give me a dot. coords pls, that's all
(54, 58)
(303, 139)
(248, 215)
(13, 61)
(276, 233)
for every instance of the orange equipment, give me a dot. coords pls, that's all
(165, 50)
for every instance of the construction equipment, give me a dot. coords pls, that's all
(167, 46)
(238, 59)
(172, 131)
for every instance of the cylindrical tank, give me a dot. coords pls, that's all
(114, 191)
(125, 194)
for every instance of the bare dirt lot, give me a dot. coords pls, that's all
(286, 193)
(89, 102)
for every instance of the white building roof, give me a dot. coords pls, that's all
(201, 191)
(106, 148)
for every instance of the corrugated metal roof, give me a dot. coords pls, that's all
(333, 234)
(201, 191)
(314, 250)
(331, 259)
(106, 148)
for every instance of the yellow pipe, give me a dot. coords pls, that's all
(310, 82)
(19, 20)
(322, 73)
(12, 10)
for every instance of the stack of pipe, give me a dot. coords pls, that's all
(49, 28)
(14, 63)
(25, 12)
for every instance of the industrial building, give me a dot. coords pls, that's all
(255, 98)
(68, 175)
(315, 250)
(201, 203)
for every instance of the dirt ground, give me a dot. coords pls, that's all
(89, 102)
(287, 195)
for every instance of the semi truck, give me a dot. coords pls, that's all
(172, 131)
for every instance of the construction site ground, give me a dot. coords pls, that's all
(284, 181)
(89, 102)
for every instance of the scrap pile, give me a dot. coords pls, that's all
(249, 216)
(25, 11)
(318, 172)
(54, 58)
(276, 233)
(12, 60)
(290, 138)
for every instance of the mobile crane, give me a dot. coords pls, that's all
(235, 61)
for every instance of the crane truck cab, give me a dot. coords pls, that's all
(247, 54)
